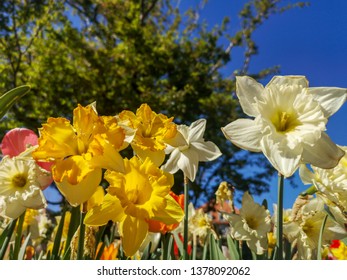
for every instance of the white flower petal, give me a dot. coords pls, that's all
(259, 246)
(171, 165)
(196, 130)
(289, 80)
(13, 209)
(34, 199)
(306, 176)
(286, 161)
(188, 163)
(244, 133)
(248, 91)
(178, 140)
(324, 154)
(329, 98)
(207, 151)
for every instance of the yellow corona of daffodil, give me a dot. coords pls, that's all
(153, 132)
(80, 150)
(135, 197)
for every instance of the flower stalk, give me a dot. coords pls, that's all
(186, 218)
(80, 249)
(279, 237)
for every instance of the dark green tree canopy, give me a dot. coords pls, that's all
(124, 53)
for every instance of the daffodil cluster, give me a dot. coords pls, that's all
(138, 196)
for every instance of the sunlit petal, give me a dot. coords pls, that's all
(109, 210)
(135, 228)
(172, 163)
(289, 80)
(285, 160)
(197, 130)
(244, 133)
(329, 98)
(248, 91)
(207, 151)
(171, 214)
(188, 163)
(328, 156)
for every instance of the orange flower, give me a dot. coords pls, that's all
(110, 252)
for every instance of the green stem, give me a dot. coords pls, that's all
(320, 240)
(80, 249)
(185, 229)
(9, 231)
(18, 240)
(279, 237)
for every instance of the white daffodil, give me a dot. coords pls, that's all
(188, 148)
(331, 185)
(289, 122)
(21, 181)
(304, 232)
(251, 225)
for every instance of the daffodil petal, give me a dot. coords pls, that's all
(105, 155)
(97, 198)
(328, 156)
(329, 98)
(34, 199)
(109, 210)
(171, 165)
(178, 140)
(244, 133)
(133, 232)
(157, 157)
(12, 209)
(188, 163)
(207, 151)
(285, 160)
(289, 80)
(57, 140)
(306, 176)
(196, 130)
(248, 91)
(172, 213)
(76, 179)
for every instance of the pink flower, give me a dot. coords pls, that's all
(17, 140)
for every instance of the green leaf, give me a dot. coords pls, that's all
(10, 97)
(22, 250)
(18, 240)
(179, 243)
(216, 252)
(5, 237)
(58, 236)
(233, 248)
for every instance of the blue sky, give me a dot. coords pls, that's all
(311, 41)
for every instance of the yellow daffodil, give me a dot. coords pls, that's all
(153, 131)
(188, 148)
(80, 150)
(134, 197)
(289, 122)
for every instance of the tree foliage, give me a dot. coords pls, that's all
(124, 53)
